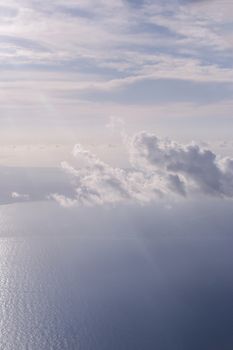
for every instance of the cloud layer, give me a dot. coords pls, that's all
(71, 48)
(157, 168)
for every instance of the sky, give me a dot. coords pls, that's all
(69, 64)
(102, 74)
(116, 174)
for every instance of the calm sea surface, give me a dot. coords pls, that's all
(98, 279)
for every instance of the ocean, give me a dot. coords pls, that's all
(116, 279)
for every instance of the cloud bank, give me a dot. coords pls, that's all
(158, 168)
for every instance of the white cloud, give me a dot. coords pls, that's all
(158, 168)
(56, 32)
(59, 58)
(63, 200)
(199, 168)
(19, 196)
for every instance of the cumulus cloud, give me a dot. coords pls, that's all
(62, 200)
(158, 168)
(200, 168)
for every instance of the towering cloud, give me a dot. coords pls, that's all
(158, 168)
(194, 167)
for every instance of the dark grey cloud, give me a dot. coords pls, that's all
(176, 184)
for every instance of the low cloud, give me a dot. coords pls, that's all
(158, 168)
(19, 196)
(198, 168)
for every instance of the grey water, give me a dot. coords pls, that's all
(117, 279)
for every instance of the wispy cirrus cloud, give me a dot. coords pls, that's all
(103, 55)
(72, 36)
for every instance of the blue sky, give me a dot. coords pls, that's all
(116, 174)
(68, 66)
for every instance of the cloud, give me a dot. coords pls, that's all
(19, 196)
(199, 168)
(147, 44)
(62, 200)
(158, 168)
(92, 35)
